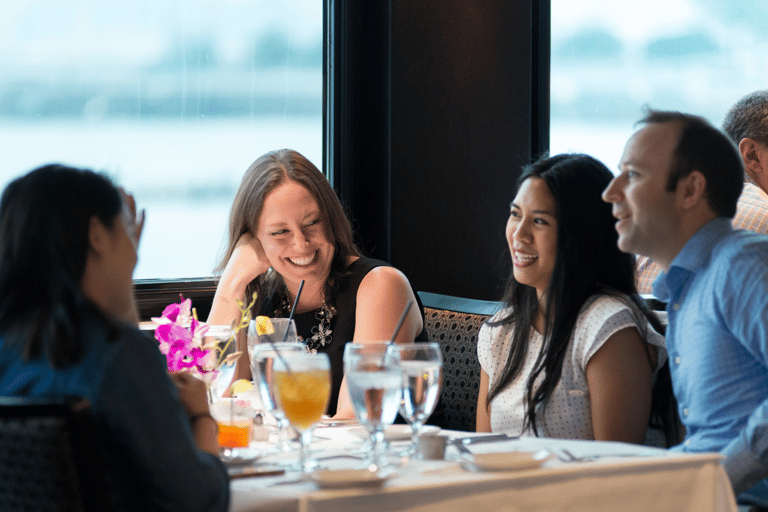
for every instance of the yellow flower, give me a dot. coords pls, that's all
(264, 326)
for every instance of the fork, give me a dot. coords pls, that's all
(462, 448)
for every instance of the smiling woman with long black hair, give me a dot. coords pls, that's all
(575, 352)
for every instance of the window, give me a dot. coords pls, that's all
(610, 58)
(173, 99)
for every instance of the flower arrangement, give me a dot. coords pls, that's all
(183, 340)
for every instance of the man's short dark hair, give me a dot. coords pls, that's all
(702, 147)
(748, 118)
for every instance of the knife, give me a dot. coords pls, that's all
(485, 439)
(249, 472)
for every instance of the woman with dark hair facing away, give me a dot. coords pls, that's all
(575, 351)
(68, 248)
(287, 225)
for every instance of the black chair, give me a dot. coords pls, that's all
(49, 457)
(454, 322)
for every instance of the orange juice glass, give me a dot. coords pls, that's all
(236, 434)
(235, 419)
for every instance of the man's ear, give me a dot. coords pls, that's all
(97, 235)
(691, 189)
(750, 154)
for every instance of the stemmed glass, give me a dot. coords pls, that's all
(263, 369)
(262, 355)
(374, 380)
(421, 365)
(303, 388)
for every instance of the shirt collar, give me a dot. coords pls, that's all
(694, 254)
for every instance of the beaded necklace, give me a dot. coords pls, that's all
(322, 333)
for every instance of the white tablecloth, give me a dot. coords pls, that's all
(654, 480)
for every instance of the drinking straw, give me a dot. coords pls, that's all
(293, 310)
(285, 336)
(400, 322)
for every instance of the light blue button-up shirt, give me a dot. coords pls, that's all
(716, 291)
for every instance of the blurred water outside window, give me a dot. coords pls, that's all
(172, 99)
(611, 57)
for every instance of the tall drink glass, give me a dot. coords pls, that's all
(262, 355)
(303, 388)
(279, 326)
(374, 380)
(421, 365)
(263, 359)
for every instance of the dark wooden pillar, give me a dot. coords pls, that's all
(433, 108)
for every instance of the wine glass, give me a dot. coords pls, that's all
(374, 380)
(263, 369)
(421, 365)
(302, 385)
(262, 356)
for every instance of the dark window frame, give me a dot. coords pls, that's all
(367, 141)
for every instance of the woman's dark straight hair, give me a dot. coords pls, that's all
(587, 262)
(44, 242)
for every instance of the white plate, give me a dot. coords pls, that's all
(394, 432)
(509, 461)
(340, 478)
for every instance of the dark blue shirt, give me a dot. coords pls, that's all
(147, 440)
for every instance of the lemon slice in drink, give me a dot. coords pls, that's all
(241, 386)
(264, 325)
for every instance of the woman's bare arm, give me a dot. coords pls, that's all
(620, 378)
(483, 418)
(381, 300)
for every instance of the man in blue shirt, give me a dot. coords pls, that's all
(679, 182)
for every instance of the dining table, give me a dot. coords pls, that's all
(567, 475)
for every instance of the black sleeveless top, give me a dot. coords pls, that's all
(343, 323)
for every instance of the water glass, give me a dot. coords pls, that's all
(374, 380)
(222, 337)
(302, 385)
(421, 365)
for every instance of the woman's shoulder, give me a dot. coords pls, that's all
(498, 317)
(358, 269)
(603, 313)
(363, 265)
(498, 328)
(606, 305)
(376, 275)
